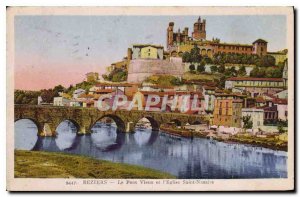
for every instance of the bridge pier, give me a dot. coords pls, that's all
(130, 126)
(47, 130)
(84, 130)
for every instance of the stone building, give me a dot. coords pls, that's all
(280, 56)
(146, 51)
(256, 116)
(256, 86)
(141, 69)
(228, 110)
(179, 42)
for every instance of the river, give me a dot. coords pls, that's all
(184, 158)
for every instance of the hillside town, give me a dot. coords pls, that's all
(239, 88)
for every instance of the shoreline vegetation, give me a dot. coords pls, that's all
(267, 142)
(40, 164)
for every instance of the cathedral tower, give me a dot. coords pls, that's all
(199, 30)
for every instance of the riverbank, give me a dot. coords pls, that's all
(39, 164)
(266, 142)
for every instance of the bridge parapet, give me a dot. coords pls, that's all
(47, 118)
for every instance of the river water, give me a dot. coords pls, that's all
(184, 158)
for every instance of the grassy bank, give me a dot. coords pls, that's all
(37, 164)
(273, 143)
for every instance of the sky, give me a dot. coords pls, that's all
(52, 50)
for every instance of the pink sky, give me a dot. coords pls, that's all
(28, 76)
(53, 50)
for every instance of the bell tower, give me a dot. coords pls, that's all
(199, 32)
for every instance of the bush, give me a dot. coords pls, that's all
(201, 67)
(192, 67)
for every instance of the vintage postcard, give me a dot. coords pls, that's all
(150, 98)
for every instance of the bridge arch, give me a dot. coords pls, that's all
(154, 123)
(177, 122)
(74, 122)
(119, 122)
(36, 123)
(196, 122)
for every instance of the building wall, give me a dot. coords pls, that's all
(136, 53)
(282, 112)
(61, 101)
(260, 48)
(257, 116)
(209, 101)
(140, 69)
(149, 52)
(267, 84)
(279, 57)
(227, 113)
(283, 94)
(231, 48)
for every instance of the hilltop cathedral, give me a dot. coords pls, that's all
(180, 42)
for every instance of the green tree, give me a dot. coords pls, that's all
(242, 71)
(221, 83)
(248, 124)
(201, 67)
(265, 61)
(48, 95)
(230, 72)
(186, 57)
(195, 54)
(59, 88)
(221, 69)
(273, 72)
(214, 68)
(258, 72)
(192, 67)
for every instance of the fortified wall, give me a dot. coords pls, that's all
(141, 69)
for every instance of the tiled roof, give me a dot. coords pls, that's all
(146, 45)
(253, 79)
(259, 40)
(280, 101)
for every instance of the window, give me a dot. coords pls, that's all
(262, 49)
(220, 111)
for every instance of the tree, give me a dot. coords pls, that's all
(221, 83)
(201, 67)
(258, 72)
(195, 54)
(186, 57)
(248, 124)
(59, 88)
(221, 69)
(230, 72)
(192, 67)
(208, 60)
(213, 68)
(265, 61)
(273, 72)
(242, 71)
(48, 95)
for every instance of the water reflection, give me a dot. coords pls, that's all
(25, 134)
(66, 134)
(185, 158)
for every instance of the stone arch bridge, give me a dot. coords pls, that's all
(85, 118)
